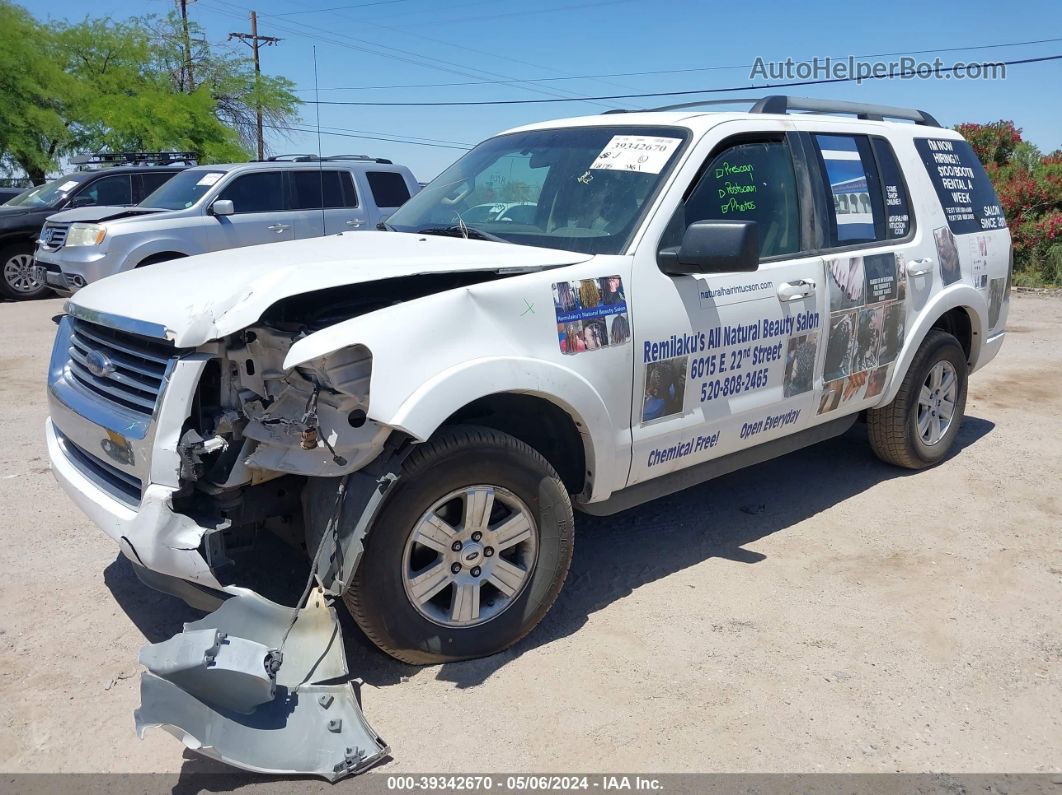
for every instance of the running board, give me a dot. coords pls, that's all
(678, 480)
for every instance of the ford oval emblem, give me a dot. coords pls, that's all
(98, 364)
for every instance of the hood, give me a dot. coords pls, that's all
(15, 212)
(98, 213)
(201, 298)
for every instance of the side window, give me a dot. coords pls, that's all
(750, 182)
(897, 203)
(853, 188)
(966, 194)
(311, 188)
(388, 188)
(260, 192)
(149, 183)
(107, 190)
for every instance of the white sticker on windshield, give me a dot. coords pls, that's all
(66, 187)
(646, 154)
(209, 179)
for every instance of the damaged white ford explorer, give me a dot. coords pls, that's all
(412, 414)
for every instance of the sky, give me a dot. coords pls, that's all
(420, 44)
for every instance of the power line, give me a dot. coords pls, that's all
(647, 94)
(334, 8)
(406, 56)
(324, 131)
(671, 71)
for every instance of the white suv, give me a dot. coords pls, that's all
(693, 292)
(216, 207)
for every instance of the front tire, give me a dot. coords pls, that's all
(918, 428)
(469, 552)
(17, 279)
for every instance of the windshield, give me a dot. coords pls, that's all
(182, 190)
(45, 195)
(581, 188)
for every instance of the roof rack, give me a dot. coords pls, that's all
(300, 158)
(780, 103)
(109, 159)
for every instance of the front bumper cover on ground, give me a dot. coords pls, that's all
(233, 688)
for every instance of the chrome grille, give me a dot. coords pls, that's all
(123, 487)
(53, 235)
(123, 368)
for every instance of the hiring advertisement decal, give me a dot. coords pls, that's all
(866, 326)
(964, 189)
(591, 314)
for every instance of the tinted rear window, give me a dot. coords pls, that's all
(964, 189)
(313, 187)
(388, 188)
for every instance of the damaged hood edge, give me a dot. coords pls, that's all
(198, 299)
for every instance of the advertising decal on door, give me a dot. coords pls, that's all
(866, 326)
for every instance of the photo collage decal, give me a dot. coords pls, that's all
(591, 314)
(866, 326)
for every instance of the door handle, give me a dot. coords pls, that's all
(278, 228)
(920, 267)
(793, 291)
(355, 222)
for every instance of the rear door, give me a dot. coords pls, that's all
(324, 202)
(870, 248)
(260, 210)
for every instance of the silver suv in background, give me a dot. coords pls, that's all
(216, 207)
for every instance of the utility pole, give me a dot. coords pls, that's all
(187, 78)
(255, 42)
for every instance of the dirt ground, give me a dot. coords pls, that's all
(819, 613)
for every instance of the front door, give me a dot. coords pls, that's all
(260, 211)
(726, 361)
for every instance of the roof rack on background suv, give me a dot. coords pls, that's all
(109, 159)
(780, 103)
(300, 158)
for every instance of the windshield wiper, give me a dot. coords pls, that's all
(460, 230)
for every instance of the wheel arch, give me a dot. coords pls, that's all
(539, 423)
(959, 310)
(159, 256)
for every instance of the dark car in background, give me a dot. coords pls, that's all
(123, 178)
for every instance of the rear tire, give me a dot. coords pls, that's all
(16, 274)
(918, 428)
(442, 577)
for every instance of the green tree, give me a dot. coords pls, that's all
(228, 74)
(32, 123)
(106, 85)
(1029, 185)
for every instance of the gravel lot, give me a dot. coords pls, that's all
(822, 612)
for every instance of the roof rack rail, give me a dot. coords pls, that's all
(780, 103)
(99, 160)
(300, 158)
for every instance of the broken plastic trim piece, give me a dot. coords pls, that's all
(218, 687)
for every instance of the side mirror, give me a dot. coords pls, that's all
(714, 247)
(222, 207)
(81, 201)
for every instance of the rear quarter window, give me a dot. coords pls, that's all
(388, 188)
(965, 192)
